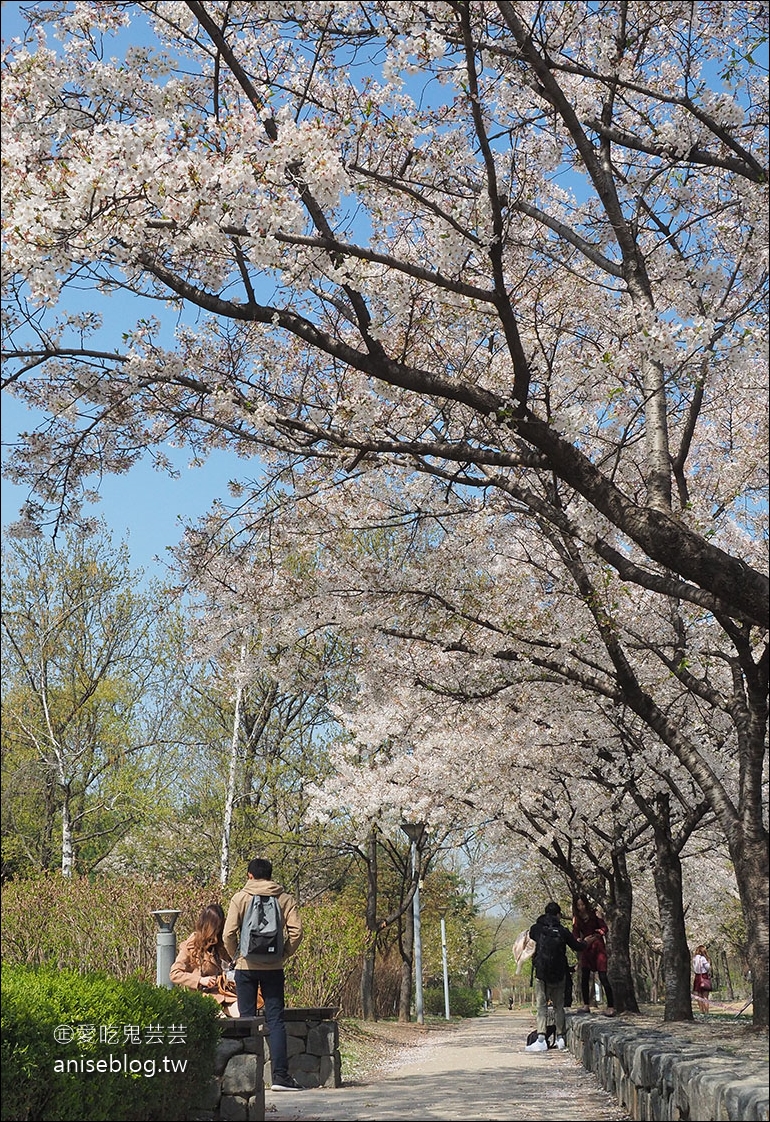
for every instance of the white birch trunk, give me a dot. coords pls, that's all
(67, 847)
(232, 774)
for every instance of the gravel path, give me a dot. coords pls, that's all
(477, 1070)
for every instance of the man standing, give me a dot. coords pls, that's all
(552, 940)
(261, 973)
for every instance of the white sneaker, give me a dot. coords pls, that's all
(538, 1046)
(560, 1043)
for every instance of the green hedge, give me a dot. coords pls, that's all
(64, 934)
(90, 1048)
(123, 942)
(463, 1001)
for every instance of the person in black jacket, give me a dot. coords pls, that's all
(552, 940)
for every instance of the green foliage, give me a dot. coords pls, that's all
(88, 701)
(51, 921)
(463, 1001)
(99, 1072)
(331, 949)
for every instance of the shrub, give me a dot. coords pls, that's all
(463, 1001)
(49, 921)
(330, 953)
(89, 1047)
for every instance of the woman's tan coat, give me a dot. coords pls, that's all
(184, 973)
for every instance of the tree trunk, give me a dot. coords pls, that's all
(619, 922)
(232, 776)
(750, 860)
(667, 875)
(724, 978)
(67, 843)
(367, 974)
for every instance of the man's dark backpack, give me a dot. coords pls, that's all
(262, 929)
(549, 956)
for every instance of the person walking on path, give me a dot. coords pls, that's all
(702, 984)
(586, 921)
(252, 975)
(552, 940)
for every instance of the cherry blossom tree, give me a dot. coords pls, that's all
(472, 668)
(516, 250)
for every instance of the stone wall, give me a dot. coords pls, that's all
(237, 1090)
(313, 1041)
(659, 1078)
(242, 1068)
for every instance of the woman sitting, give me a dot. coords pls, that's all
(202, 959)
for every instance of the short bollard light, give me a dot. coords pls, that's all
(166, 945)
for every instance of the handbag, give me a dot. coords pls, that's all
(226, 988)
(705, 983)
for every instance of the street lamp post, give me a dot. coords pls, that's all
(445, 965)
(165, 951)
(414, 831)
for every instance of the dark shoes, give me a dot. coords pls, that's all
(285, 1083)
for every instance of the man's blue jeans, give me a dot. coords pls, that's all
(271, 982)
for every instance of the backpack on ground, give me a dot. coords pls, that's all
(549, 956)
(262, 929)
(550, 1036)
(550, 1028)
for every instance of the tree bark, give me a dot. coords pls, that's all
(367, 973)
(67, 841)
(667, 875)
(618, 917)
(750, 859)
(232, 775)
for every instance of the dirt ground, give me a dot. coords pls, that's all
(370, 1047)
(724, 1027)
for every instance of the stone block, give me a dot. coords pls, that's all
(330, 1071)
(747, 1099)
(240, 1077)
(233, 1108)
(323, 1039)
(307, 1065)
(295, 1046)
(225, 1049)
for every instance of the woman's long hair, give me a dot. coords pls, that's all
(591, 914)
(207, 937)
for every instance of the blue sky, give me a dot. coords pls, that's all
(143, 507)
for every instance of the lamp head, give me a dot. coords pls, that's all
(166, 918)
